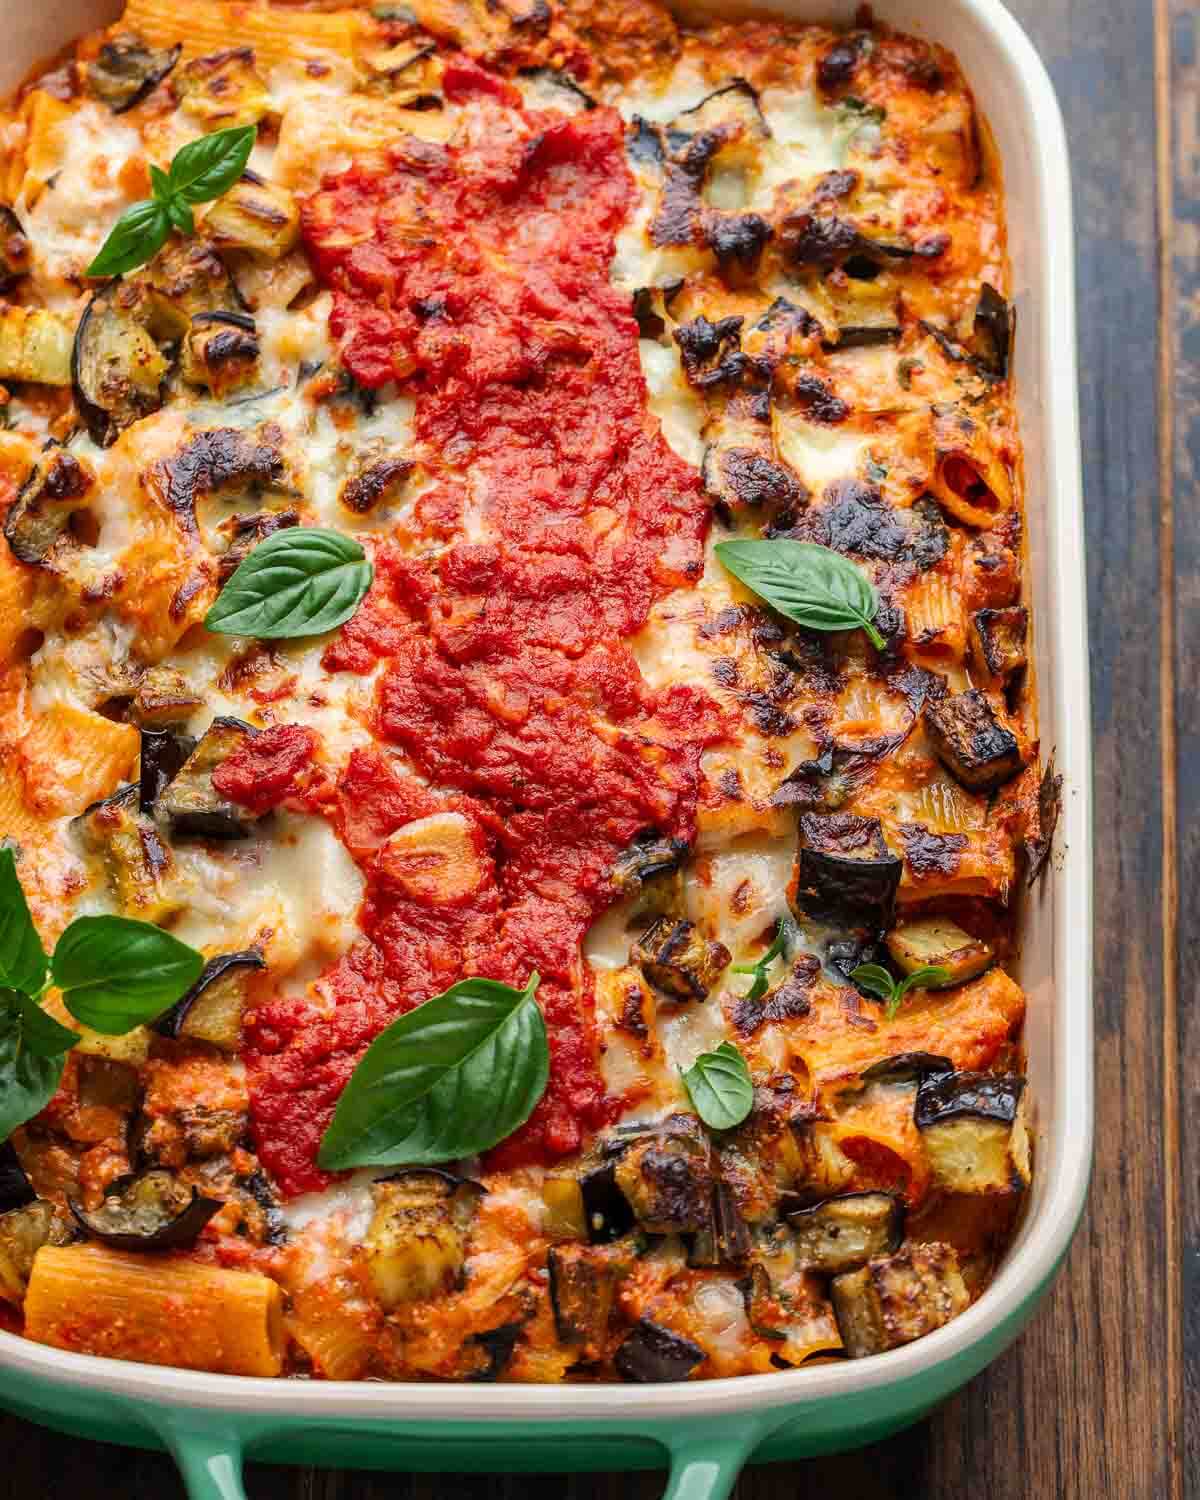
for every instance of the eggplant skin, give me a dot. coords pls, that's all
(173, 1022)
(15, 1188)
(846, 871)
(582, 1283)
(908, 1067)
(190, 804)
(651, 1354)
(493, 1350)
(147, 1212)
(127, 70)
(606, 1209)
(163, 756)
(972, 741)
(986, 1096)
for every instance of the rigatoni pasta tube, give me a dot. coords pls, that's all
(159, 1309)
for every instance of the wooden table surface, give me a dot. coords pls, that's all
(1091, 1401)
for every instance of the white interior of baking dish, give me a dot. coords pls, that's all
(1014, 92)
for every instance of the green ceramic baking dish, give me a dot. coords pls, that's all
(705, 1432)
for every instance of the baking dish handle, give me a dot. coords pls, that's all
(707, 1467)
(208, 1458)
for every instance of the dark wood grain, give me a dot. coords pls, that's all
(1092, 1401)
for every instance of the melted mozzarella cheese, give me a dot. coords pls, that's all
(672, 400)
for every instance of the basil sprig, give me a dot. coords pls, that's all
(449, 1079)
(811, 584)
(301, 581)
(115, 973)
(892, 992)
(200, 171)
(760, 966)
(720, 1087)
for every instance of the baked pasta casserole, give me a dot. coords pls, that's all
(518, 757)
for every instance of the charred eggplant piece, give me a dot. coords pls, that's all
(938, 942)
(15, 1188)
(563, 1214)
(1037, 845)
(554, 88)
(126, 70)
(211, 1011)
(191, 804)
(153, 1211)
(973, 741)
(163, 757)
(650, 869)
(117, 369)
(35, 345)
(184, 280)
(606, 1209)
(14, 248)
(727, 1239)
(678, 959)
(846, 871)
(376, 479)
(222, 89)
(583, 1283)
(220, 351)
(56, 490)
(998, 637)
(652, 1354)
(23, 1232)
(163, 699)
(896, 1300)
(138, 865)
(824, 241)
(993, 332)
(973, 1128)
(490, 1353)
(907, 1068)
(843, 1233)
(260, 218)
(416, 1246)
(668, 1182)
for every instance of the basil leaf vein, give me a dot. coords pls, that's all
(23, 962)
(301, 581)
(877, 979)
(205, 168)
(138, 234)
(720, 1087)
(811, 584)
(453, 1077)
(117, 973)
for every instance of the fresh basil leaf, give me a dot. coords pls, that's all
(301, 581)
(138, 234)
(117, 973)
(875, 977)
(449, 1079)
(719, 1085)
(759, 968)
(23, 961)
(919, 979)
(204, 169)
(813, 585)
(160, 184)
(181, 216)
(40, 1032)
(27, 1079)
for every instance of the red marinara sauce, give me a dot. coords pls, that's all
(476, 274)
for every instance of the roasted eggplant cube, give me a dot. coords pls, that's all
(23, 1232)
(163, 756)
(846, 1232)
(846, 871)
(998, 637)
(650, 869)
(726, 1240)
(260, 218)
(607, 1214)
(163, 700)
(678, 959)
(222, 89)
(220, 352)
(898, 1299)
(583, 1283)
(668, 1182)
(416, 1246)
(211, 1011)
(652, 1354)
(376, 478)
(191, 805)
(138, 864)
(973, 1129)
(938, 942)
(58, 486)
(152, 1211)
(117, 368)
(563, 1214)
(972, 740)
(126, 70)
